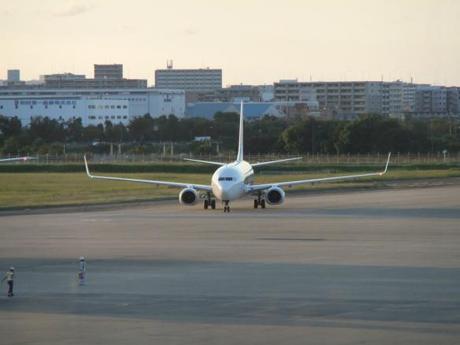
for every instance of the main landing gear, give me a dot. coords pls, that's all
(226, 206)
(208, 202)
(259, 201)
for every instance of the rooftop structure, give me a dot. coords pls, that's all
(14, 75)
(114, 71)
(195, 80)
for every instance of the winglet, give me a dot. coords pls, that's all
(386, 166)
(86, 166)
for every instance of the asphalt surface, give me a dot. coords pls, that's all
(374, 267)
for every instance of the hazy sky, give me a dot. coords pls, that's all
(252, 41)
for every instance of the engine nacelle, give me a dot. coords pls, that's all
(274, 196)
(188, 196)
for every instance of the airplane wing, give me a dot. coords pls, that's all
(259, 187)
(206, 162)
(16, 159)
(159, 183)
(258, 164)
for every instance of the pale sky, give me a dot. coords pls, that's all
(253, 41)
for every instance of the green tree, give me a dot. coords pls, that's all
(73, 130)
(49, 130)
(142, 129)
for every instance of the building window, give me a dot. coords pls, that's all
(125, 106)
(118, 106)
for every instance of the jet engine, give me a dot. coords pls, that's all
(275, 196)
(188, 196)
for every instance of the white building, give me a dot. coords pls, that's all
(93, 106)
(194, 80)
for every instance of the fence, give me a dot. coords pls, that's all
(326, 159)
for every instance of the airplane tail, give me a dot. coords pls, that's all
(239, 157)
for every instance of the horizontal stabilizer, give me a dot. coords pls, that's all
(274, 162)
(205, 162)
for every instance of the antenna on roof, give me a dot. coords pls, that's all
(169, 64)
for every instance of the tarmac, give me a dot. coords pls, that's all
(368, 267)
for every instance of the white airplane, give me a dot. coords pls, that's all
(231, 181)
(4, 160)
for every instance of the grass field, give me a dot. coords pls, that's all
(48, 189)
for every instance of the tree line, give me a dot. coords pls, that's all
(366, 134)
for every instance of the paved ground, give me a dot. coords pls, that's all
(340, 268)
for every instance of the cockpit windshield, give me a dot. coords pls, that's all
(225, 178)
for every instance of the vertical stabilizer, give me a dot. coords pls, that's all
(239, 157)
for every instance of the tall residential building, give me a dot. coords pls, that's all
(398, 98)
(191, 80)
(114, 71)
(408, 97)
(337, 99)
(431, 100)
(14, 75)
(453, 100)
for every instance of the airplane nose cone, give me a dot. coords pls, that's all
(218, 191)
(223, 192)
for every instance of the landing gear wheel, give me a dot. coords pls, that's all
(256, 203)
(206, 204)
(226, 206)
(262, 203)
(213, 204)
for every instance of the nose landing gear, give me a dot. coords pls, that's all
(226, 206)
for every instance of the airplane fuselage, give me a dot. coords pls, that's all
(230, 181)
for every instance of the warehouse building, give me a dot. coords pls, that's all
(93, 106)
